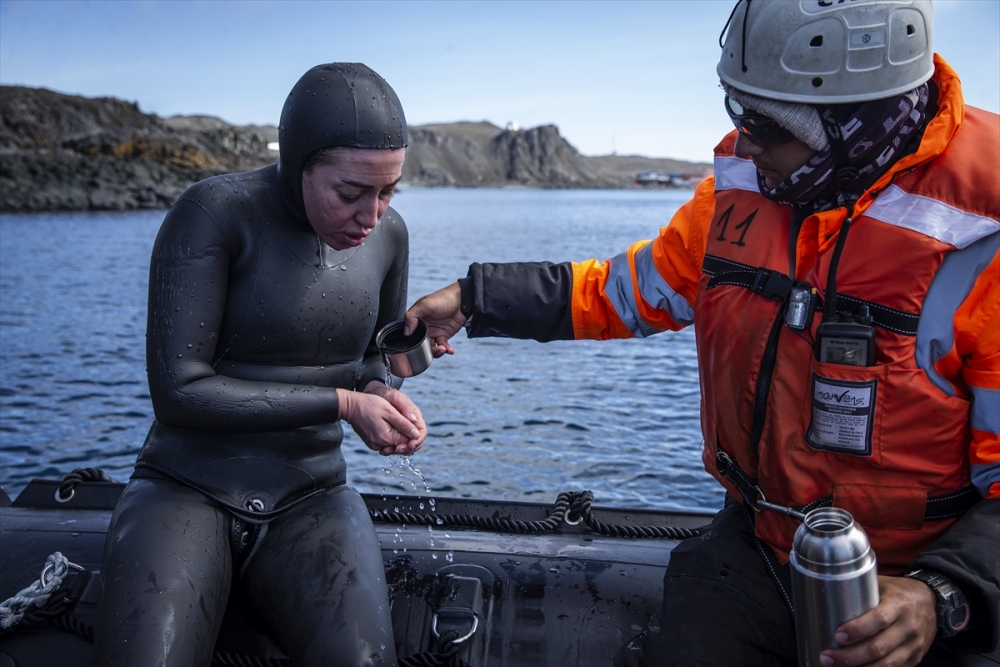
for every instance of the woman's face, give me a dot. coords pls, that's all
(346, 195)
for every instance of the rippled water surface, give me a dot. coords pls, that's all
(508, 419)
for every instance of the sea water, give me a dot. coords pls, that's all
(507, 419)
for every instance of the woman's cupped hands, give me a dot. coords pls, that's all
(384, 418)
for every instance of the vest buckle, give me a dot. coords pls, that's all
(771, 284)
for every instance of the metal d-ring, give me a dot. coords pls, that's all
(48, 573)
(59, 496)
(760, 502)
(456, 612)
(570, 522)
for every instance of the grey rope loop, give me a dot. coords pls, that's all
(570, 507)
(54, 605)
(67, 489)
(13, 610)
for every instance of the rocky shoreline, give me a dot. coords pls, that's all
(68, 153)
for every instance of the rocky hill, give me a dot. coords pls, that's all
(63, 152)
(482, 154)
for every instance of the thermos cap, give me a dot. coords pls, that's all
(830, 542)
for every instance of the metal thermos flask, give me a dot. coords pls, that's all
(834, 579)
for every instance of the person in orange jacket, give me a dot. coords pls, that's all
(842, 271)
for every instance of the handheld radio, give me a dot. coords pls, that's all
(842, 338)
(850, 343)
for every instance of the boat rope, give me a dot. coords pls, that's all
(570, 507)
(446, 656)
(548, 524)
(68, 623)
(586, 499)
(225, 659)
(13, 609)
(67, 489)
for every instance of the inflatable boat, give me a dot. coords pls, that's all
(471, 582)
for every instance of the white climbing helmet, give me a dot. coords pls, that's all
(828, 51)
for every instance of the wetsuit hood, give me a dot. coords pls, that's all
(337, 104)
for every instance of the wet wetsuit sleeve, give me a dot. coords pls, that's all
(188, 279)
(648, 288)
(392, 300)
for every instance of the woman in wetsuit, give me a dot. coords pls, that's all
(265, 292)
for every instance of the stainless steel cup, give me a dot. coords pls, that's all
(404, 356)
(833, 579)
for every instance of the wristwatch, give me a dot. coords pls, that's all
(953, 612)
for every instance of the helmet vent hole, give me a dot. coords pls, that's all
(818, 40)
(910, 29)
(817, 81)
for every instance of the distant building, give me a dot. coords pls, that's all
(652, 179)
(512, 126)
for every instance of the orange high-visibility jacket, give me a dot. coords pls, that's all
(923, 422)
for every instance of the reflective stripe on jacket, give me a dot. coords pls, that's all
(922, 254)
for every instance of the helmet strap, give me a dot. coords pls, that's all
(725, 29)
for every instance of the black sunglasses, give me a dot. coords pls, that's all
(759, 128)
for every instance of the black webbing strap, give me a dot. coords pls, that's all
(771, 284)
(938, 508)
(775, 285)
(951, 505)
(887, 318)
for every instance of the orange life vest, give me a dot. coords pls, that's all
(895, 443)
(881, 439)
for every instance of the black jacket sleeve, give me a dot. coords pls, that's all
(528, 300)
(969, 555)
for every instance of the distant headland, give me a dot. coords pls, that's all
(68, 153)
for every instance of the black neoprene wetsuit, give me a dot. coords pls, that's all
(253, 324)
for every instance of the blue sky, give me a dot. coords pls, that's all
(635, 77)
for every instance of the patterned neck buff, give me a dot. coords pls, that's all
(876, 134)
